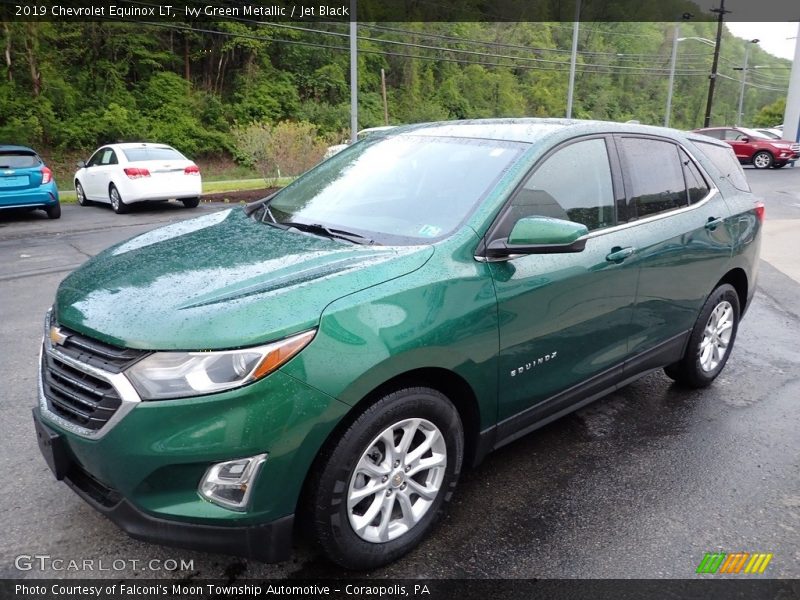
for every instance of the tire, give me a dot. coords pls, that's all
(53, 212)
(191, 202)
(778, 165)
(762, 160)
(336, 501)
(711, 340)
(80, 194)
(116, 200)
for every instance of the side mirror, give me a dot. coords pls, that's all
(744, 139)
(540, 235)
(81, 164)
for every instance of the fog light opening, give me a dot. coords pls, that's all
(230, 483)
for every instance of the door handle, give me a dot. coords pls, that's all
(713, 222)
(618, 254)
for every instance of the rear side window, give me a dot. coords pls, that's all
(695, 183)
(16, 159)
(151, 153)
(655, 176)
(727, 163)
(573, 184)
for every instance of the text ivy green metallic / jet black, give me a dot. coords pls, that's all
(333, 356)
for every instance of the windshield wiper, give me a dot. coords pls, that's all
(254, 206)
(318, 229)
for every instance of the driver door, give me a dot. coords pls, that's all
(564, 318)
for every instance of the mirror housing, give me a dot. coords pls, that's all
(745, 139)
(81, 164)
(540, 235)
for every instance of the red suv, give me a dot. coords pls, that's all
(754, 148)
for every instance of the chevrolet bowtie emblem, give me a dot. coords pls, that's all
(57, 337)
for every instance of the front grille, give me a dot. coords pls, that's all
(76, 396)
(98, 354)
(795, 147)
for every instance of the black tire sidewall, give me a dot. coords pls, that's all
(333, 530)
(693, 370)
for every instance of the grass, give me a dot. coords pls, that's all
(210, 187)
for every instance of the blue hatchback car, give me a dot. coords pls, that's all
(25, 181)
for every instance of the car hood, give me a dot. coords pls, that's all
(220, 281)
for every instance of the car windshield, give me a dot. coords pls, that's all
(404, 189)
(18, 159)
(152, 153)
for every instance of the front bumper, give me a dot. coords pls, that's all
(267, 542)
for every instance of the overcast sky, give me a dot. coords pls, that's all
(772, 36)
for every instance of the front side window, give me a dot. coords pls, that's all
(97, 157)
(573, 184)
(404, 189)
(655, 176)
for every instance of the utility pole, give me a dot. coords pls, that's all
(573, 60)
(673, 58)
(353, 72)
(712, 80)
(744, 80)
(385, 104)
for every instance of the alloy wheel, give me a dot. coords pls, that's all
(716, 336)
(396, 480)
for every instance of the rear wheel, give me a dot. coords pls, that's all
(53, 212)
(711, 340)
(762, 160)
(116, 200)
(191, 202)
(380, 487)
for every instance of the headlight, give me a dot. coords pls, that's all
(179, 374)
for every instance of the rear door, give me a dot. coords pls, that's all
(563, 318)
(681, 229)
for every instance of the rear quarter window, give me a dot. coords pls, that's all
(727, 163)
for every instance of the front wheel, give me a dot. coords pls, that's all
(762, 160)
(80, 194)
(711, 340)
(191, 202)
(380, 487)
(116, 200)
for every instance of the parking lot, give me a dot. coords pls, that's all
(639, 484)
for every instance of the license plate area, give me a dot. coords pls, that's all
(52, 447)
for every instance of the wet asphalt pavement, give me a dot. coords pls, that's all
(639, 484)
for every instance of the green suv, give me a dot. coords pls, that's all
(331, 358)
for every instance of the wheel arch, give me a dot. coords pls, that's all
(738, 279)
(449, 383)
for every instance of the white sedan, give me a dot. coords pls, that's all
(123, 174)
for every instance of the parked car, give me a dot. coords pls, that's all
(26, 182)
(363, 134)
(770, 133)
(335, 355)
(754, 148)
(124, 174)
